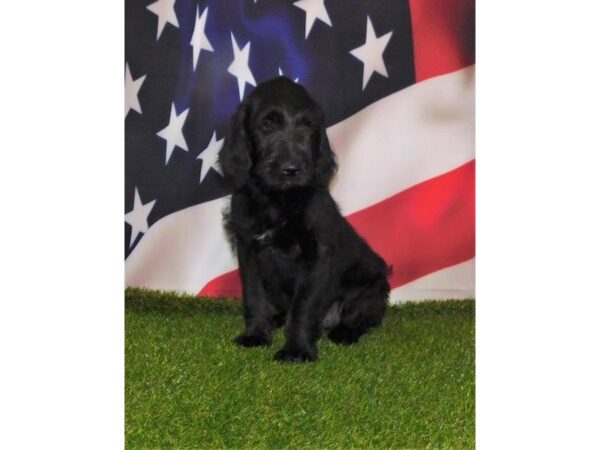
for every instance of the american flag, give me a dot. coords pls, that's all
(396, 82)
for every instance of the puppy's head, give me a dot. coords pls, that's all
(277, 139)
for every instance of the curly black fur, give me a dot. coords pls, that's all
(302, 264)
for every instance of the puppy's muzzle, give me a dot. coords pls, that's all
(291, 170)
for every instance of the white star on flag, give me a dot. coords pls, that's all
(132, 88)
(371, 53)
(281, 74)
(165, 10)
(138, 216)
(173, 133)
(199, 40)
(239, 67)
(314, 9)
(210, 156)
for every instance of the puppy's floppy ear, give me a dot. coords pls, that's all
(326, 163)
(234, 157)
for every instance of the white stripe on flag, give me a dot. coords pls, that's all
(401, 140)
(455, 282)
(183, 251)
(406, 138)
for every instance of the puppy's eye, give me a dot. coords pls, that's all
(271, 121)
(305, 122)
(267, 124)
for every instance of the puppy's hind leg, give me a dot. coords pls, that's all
(360, 312)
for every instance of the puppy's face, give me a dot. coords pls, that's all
(280, 130)
(284, 131)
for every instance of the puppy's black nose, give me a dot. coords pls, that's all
(290, 170)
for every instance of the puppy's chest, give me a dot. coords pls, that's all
(285, 237)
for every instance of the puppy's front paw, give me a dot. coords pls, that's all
(295, 355)
(252, 341)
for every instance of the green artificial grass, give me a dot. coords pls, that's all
(408, 384)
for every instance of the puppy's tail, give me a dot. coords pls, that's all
(390, 270)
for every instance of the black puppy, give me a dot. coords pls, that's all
(301, 263)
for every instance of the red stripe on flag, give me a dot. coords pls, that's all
(425, 228)
(227, 285)
(443, 36)
(418, 231)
